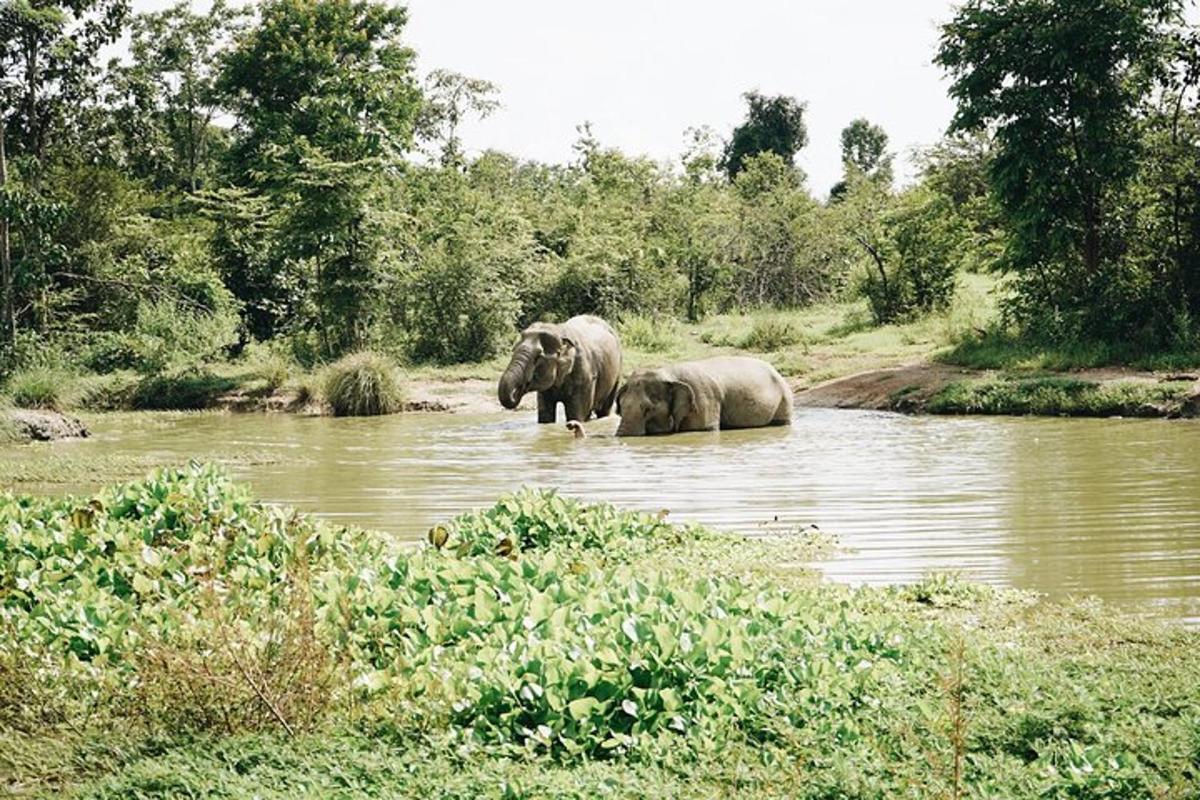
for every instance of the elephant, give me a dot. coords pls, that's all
(706, 395)
(576, 363)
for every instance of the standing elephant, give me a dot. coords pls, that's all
(723, 392)
(577, 363)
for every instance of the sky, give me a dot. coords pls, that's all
(644, 71)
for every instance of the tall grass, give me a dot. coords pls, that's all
(363, 384)
(650, 334)
(42, 388)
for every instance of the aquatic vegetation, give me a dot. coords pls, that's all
(558, 646)
(363, 384)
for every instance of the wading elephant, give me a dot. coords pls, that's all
(723, 392)
(577, 363)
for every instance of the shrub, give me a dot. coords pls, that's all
(362, 385)
(168, 335)
(771, 333)
(180, 391)
(650, 334)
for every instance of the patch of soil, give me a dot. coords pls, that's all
(44, 426)
(909, 387)
(903, 388)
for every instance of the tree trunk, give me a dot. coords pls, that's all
(8, 322)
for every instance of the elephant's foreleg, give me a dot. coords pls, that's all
(577, 408)
(547, 408)
(606, 407)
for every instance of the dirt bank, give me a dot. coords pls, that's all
(466, 396)
(946, 389)
(25, 425)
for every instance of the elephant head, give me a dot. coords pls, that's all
(540, 361)
(650, 404)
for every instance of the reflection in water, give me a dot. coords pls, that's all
(1104, 507)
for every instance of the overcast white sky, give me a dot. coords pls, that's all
(643, 71)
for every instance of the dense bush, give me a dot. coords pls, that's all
(362, 385)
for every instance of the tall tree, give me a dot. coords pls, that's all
(166, 97)
(1059, 82)
(47, 72)
(449, 99)
(864, 150)
(772, 125)
(326, 101)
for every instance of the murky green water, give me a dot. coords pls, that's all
(1068, 507)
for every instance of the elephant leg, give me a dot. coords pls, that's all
(577, 409)
(606, 407)
(547, 408)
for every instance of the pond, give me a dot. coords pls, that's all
(1109, 508)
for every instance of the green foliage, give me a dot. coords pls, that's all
(864, 155)
(1061, 397)
(166, 335)
(650, 334)
(362, 385)
(771, 333)
(184, 390)
(772, 125)
(41, 387)
(1067, 157)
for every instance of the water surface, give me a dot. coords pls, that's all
(1068, 507)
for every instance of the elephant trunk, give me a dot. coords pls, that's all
(512, 383)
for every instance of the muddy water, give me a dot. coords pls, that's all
(1068, 507)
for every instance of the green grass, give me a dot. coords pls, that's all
(651, 334)
(42, 388)
(1058, 396)
(171, 637)
(998, 350)
(362, 385)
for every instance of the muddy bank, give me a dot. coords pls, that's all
(25, 425)
(467, 396)
(946, 389)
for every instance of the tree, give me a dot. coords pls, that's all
(773, 124)
(47, 55)
(326, 103)
(450, 98)
(167, 96)
(864, 152)
(1059, 81)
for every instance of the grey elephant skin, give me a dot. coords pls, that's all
(576, 363)
(707, 395)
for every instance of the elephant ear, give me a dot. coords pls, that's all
(620, 394)
(565, 357)
(680, 398)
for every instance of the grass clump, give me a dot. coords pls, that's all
(650, 334)
(1057, 396)
(543, 647)
(769, 334)
(42, 388)
(363, 384)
